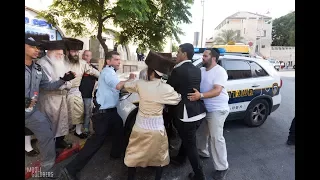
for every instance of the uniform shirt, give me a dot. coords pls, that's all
(107, 94)
(36, 79)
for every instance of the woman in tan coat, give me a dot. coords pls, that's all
(148, 142)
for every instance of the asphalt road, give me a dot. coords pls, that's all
(253, 153)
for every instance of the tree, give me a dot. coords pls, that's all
(228, 36)
(174, 48)
(283, 30)
(145, 22)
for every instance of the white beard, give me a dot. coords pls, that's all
(59, 67)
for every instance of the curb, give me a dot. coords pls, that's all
(62, 156)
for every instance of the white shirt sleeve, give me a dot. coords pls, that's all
(220, 77)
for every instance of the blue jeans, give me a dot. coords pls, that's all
(87, 112)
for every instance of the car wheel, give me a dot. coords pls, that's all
(257, 113)
(131, 119)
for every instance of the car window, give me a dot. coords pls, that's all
(237, 69)
(257, 70)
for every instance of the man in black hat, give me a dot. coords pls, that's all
(187, 115)
(37, 122)
(74, 97)
(29, 151)
(54, 103)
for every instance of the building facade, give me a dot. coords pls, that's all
(256, 30)
(283, 53)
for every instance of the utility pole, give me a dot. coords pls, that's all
(202, 3)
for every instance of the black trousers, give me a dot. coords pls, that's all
(292, 130)
(103, 124)
(187, 132)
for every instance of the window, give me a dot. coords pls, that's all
(238, 32)
(199, 65)
(264, 33)
(237, 69)
(263, 46)
(244, 30)
(257, 70)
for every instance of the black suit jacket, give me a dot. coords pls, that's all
(183, 79)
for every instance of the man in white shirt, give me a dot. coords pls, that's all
(214, 94)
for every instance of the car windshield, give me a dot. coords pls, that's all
(272, 61)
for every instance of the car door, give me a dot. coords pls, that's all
(242, 86)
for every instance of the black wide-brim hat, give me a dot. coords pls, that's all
(35, 39)
(161, 62)
(53, 45)
(73, 44)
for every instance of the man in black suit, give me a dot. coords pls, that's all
(187, 115)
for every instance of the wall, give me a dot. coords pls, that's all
(283, 53)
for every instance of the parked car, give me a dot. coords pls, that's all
(276, 64)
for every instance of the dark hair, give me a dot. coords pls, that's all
(214, 52)
(108, 56)
(187, 48)
(149, 72)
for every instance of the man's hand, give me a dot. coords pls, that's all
(132, 76)
(194, 96)
(69, 76)
(29, 102)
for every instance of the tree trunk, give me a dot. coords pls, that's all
(100, 25)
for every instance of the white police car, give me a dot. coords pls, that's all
(253, 87)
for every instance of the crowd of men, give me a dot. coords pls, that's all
(197, 106)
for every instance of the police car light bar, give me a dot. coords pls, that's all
(201, 50)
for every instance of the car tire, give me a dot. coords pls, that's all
(257, 113)
(131, 119)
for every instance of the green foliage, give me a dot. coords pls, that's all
(174, 48)
(145, 22)
(283, 30)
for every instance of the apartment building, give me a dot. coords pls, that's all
(255, 28)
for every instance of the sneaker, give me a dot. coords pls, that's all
(220, 175)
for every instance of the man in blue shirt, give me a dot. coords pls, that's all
(105, 117)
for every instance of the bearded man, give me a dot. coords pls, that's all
(74, 97)
(54, 103)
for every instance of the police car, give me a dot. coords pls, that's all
(253, 87)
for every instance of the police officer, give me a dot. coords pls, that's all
(37, 122)
(105, 117)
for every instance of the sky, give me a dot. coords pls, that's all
(214, 13)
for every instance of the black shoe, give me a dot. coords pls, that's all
(177, 160)
(220, 175)
(63, 144)
(291, 142)
(81, 136)
(87, 133)
(32, 153)
(72, 129)
(67, 176)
